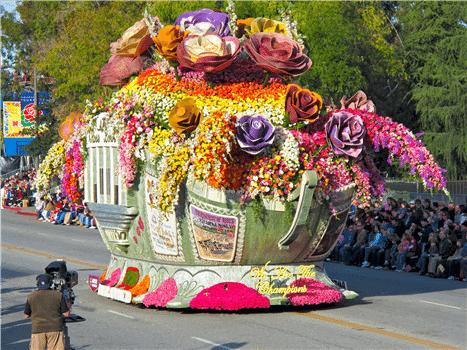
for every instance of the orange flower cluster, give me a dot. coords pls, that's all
(164, 83)
(102, 277)
(216, 137)
(140, 288)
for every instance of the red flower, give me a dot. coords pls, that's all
(317, 293)
(229, 296)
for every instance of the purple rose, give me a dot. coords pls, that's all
(345, 133)
(254, 133)
(204, 21)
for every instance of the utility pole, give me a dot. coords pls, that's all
(36, 124)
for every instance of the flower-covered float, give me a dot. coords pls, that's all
(216, 180)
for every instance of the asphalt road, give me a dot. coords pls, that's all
(394, 311)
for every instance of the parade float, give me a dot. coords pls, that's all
(216, 180)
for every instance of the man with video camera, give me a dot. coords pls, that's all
(46, 307)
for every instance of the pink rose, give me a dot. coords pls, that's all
(358, 101)
(208, 53)
(277, 53)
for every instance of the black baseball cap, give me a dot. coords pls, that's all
(43, 281)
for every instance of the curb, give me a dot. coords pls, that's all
(26, 213)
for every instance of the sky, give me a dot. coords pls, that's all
(9, 5)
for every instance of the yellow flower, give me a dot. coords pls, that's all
(265, 25)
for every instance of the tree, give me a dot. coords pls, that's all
(435, 36)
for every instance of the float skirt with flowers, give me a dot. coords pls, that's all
(211, 251)
(216, 180)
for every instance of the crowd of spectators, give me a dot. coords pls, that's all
(17, 188)
(49, 207)
(429, 238)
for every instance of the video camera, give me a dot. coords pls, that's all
(62, 280)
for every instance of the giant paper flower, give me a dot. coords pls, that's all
(134, 41)
(71, 123)
(254, 133)
(167, 41)
(265, 25)
(277, 53)
(204, 21)
(185, 116)
(345, 133)
(358, 101)
(302, 104)
(208, 53)
(118, 69)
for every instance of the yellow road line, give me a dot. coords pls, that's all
(315, 316)
(54, 257)
(376, 330)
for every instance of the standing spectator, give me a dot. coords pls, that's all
(45, 308)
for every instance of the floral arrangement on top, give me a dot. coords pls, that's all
(222, 107)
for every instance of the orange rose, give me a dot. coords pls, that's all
(302, 104)
(185, 116)
(167, 41)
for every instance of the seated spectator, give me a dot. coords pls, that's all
(40, 205)
(390, 254)
(453, 262)
(402, 249)
(357, 241)
(343, 240)
(49, 207)
(379, 243)
(444, 249)
(424, 258)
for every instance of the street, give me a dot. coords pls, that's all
(394, 310)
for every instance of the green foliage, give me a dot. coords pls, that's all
(435, 37)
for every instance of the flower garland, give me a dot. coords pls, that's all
(317, 293)
(52, 164)
(72, 172)
(162, 295)
(229, 296)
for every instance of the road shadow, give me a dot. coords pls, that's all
(16, 334)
